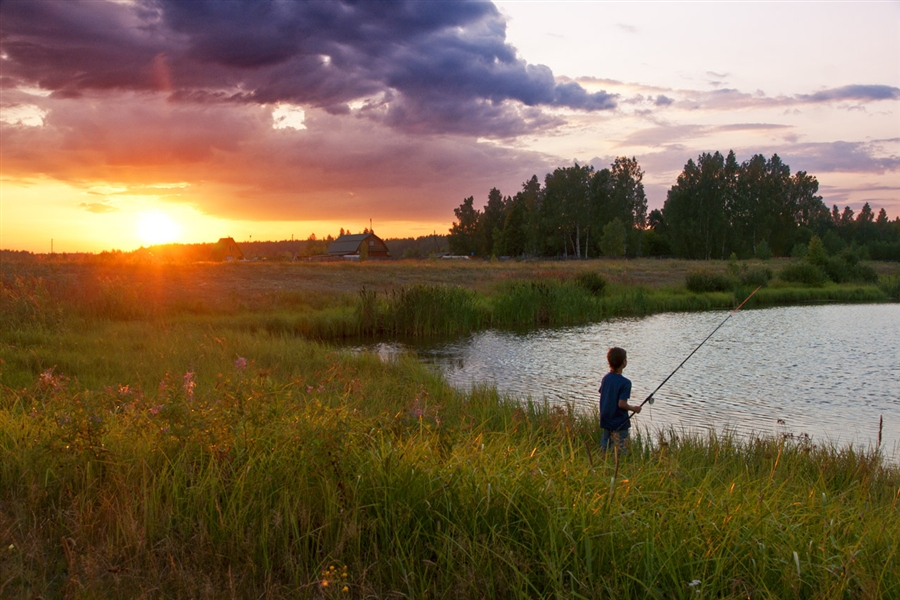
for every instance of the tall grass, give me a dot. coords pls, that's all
(543, 302)
(207, 462)
(890, 285)
(419, 310)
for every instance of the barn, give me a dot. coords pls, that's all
(359, 246)
(226, 249)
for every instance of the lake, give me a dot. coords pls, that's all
(826, 371)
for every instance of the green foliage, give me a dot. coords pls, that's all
(800, 250)
(883, 250)
(543, 302)
(833, 242)
(890, 285)
(418, 310)
(592, 282)
(752, 277)
(707, 281)
(763, 251)
(718, 206)
(756, 277)
(612, 241)
(302, 471)
(816, 253)
(655, 244)
(805, 273)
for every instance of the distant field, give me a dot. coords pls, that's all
(249, 281)
(262, 285)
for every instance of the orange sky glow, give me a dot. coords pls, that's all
(131, 123)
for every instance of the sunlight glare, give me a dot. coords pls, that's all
(157, 228)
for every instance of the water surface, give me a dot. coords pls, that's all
(828, 372)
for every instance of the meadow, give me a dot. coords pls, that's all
(190, 431)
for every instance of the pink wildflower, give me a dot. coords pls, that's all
(189, 384)
(240, 363)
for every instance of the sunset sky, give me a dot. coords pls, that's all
(131, 122)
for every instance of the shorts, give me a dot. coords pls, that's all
(619, 438)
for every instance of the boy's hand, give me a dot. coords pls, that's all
(636, 409)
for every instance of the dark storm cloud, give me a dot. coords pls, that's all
(444, 65)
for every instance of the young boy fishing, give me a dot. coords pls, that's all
(615, 390)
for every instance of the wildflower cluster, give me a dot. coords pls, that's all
(422, 410)
(334, 580)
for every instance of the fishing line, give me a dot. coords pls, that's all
(649, 399)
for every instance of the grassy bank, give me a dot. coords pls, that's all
(194, 463)
(163, 437)
(425, 298)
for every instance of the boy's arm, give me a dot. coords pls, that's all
(623, 404)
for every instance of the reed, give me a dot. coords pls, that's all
(890, 285)
(543, 302)
(418, 311)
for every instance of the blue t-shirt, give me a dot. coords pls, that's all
(614, 387)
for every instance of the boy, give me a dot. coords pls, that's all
(615, 390)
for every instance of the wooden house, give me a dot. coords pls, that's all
(359, 246)
(226, 249)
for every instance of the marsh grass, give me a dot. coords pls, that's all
(890, 285)
(195, 461)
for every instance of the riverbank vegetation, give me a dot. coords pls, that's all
(331, 301)
(186, 431)
(187, 461)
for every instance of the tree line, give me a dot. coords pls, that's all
(717, 208)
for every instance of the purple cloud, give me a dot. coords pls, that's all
(424, 57)
(853, 92)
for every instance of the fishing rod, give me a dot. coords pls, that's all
(649, 399)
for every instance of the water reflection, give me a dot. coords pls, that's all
(828, 372)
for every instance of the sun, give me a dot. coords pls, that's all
(157, 228)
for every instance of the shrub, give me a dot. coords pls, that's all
(707, 281)
(885, 251)
(804, 273)
(891, 285)
(799, 251)
(592, 282)
(815, 252)
(864, 273)
(756, 277)
(837, 269)
(763, 251)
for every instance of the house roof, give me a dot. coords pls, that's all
(348, 243)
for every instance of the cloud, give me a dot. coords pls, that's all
(232, 163)
(667, 134)
(843, 157)
(430, 59)
(862, 93)
(98, 207)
